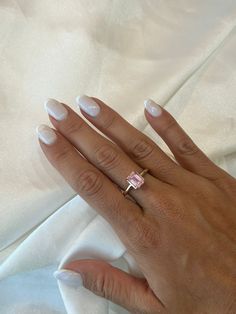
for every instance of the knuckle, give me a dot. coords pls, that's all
(107, 157)
(101, 285)
(157, 203)
(144, 235)
(142, 149)
(88, 182)
(150, 238)
(96, 285)
(105, 286)
(73, 127)
(164, 167)
(186, 147)
(170, 123)
(175, 213)
(167, 208)
(61, 156)
(117, 212)
(109, 121)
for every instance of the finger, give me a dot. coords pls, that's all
(113, 284)
(184, 149)
(101, 152)
(138, 146)
(91, 184)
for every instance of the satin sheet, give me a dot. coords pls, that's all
(180, 53)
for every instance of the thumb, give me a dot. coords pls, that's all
(134, 294)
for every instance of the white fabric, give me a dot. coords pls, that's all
(181, 53)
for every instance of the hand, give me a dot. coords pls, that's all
(180, 225)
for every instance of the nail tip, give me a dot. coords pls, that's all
(146, 101)
(52, 100)
(88, 105)
(77, 99)
(152, 107)
(56, 274)
(69, 277)
(46, 134)
(81, 97)
(46, 102)
(38, 127)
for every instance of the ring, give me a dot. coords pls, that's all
(135, 180)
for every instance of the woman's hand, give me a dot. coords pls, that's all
(180, 225)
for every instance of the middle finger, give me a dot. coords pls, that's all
(134, 143)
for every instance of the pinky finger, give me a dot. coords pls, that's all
(186, 152)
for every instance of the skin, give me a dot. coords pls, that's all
(180, 226)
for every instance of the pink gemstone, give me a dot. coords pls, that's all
(135, 179)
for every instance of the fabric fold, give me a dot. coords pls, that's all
(180, 53)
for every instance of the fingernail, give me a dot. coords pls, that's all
(69, 278)
(88, 105)
(55, 109)
(153, 108)
(46, 134)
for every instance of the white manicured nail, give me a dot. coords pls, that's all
(55, 109)
(153, 108)
(69, 278)
(46, 134)
(88, 105)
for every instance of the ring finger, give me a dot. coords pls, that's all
(101, 152)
